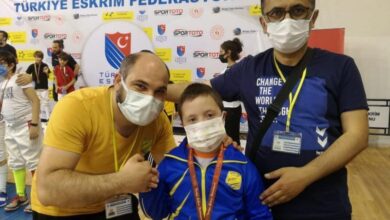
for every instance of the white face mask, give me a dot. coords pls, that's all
(206, 136)
(289, 35)
(138, 108)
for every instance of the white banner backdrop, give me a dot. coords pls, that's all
(186, 34)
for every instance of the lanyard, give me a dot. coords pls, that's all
(292, 99)
(37, 71)
(214, 185)
(114, 143)
(64, 73)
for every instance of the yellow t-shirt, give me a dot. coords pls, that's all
(82, 123)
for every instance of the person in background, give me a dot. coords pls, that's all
(3, 153)
(229, 53)
(64, 76)
(203, 164)
(23, 139)
(40, 73)
(4, 46)
(57, 48)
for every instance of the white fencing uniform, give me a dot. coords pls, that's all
(3, 156)
(43, 96)
(17, 112)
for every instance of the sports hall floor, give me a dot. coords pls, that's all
(369, 187)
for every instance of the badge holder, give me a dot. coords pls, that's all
(287, 142)
(118, 206)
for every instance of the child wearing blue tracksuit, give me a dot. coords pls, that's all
(201, 178)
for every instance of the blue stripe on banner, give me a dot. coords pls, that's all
(114, 58)
(113, 54)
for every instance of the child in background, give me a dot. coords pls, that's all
(65, 78)
(40, 74)
(20, 110)
(201, 178)
(3, 153)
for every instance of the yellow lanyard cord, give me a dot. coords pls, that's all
(292, 99)
(114, 144)
(113, 135)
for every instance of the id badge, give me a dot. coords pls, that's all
(118, 206)
(287, 142)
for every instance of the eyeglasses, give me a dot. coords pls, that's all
(296, 12)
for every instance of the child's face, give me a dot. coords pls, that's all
(38, 59)
(202, 108)
(62, 62)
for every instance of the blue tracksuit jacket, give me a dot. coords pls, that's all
(237, 195)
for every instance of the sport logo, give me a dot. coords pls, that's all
(196, 12)
(19, 20)
(142, 16)
(217, 32)
(165, 12)
(39, 18)
(117, 47)
(34, 33)
(185, 33)
(55, 36)
(204, 54)
(181, 50)
(49, 52)
(200, 72)
(161, 28)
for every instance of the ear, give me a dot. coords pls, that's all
(314, 19)
(11, 66)
(117, 81)
(263, 24)
(224, 113)
(228, 53)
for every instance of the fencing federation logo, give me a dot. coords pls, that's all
(161, 28)
(200, 72)
(34, 33)
(49, 52)
(106, 39)
(117, 47)
(181, 50)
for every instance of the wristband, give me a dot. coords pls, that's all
(33, 124)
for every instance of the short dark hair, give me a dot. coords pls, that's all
(60, 43)
(195, 90)
(313, 3)
(131, 60)
(39, 54)
(235, 47)
(5, 34)
(63, 56)
(9, 59)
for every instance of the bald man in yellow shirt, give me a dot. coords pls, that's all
(92, 157)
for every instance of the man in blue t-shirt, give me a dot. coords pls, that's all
(322, 126)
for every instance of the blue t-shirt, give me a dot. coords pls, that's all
(333, 86)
